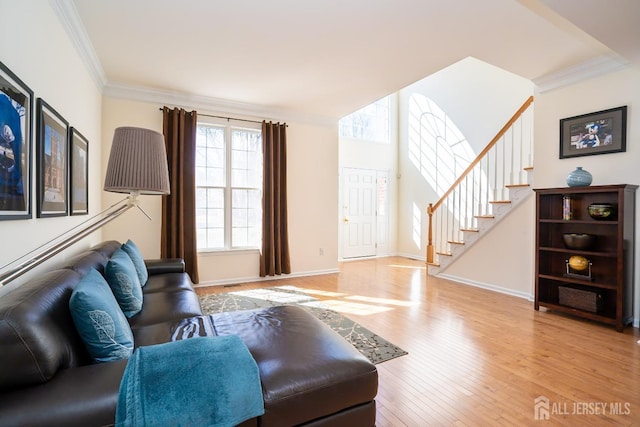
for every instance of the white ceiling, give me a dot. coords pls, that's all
(328, 58)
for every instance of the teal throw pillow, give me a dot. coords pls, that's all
(99, 319)
(123, 279)
(136, 256)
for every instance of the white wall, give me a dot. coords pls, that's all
(312, 168)
(133, 224)
(36, 48)
(504, 259)
(608, 91)
(480, 99)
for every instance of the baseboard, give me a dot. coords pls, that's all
(411, 256)
(238, 280)
(487, 286)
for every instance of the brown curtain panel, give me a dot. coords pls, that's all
(274, 258)
(178, 237)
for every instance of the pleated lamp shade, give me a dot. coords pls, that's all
(137, 163)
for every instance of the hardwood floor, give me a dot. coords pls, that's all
(478, 357)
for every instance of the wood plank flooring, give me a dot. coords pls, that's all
(476, 357)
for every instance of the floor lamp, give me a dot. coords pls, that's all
(137, 165)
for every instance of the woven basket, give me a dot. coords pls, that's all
(580, 299)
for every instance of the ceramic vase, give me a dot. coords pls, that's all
(579, 178)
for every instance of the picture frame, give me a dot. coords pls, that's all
(53, 162)
(16, 124)
(78, 173)
(601, 132)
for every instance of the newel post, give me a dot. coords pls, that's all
(430, 235)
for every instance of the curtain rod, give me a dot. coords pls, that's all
(229, 118)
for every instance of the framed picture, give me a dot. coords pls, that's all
(601, 132)
(79, 173)
(53, 162)
(16, 124)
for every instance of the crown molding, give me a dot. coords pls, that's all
(206, 104)
(70, 20)
(595, 67)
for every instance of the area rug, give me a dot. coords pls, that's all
(371, 345)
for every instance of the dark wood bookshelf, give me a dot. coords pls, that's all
(611, 258)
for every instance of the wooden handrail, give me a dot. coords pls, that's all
(486, 149)
(434, 206)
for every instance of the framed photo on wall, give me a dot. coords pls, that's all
(53, 162)
(16, 112)
(601, 132)
(79, 173)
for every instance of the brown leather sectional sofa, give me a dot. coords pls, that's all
(309, 374)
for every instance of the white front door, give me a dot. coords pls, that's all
(359, 213)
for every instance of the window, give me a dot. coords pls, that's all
(437, 147)
(228, 187)
(370, 123)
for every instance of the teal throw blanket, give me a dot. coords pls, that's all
(203, 381)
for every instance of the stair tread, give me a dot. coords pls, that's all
(455, 242)
(451, 252)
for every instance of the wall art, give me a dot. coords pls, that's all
(16, 124)
(79, 173)
(52, 144)
(601, 132)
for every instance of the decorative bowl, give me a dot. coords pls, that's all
(602, 211)
(578, 241)
(578, 262)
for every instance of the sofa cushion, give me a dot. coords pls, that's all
(123, 279)
(37, 334)
(106, 248)
(85, 261)
(138, 261)
(99, 319)
(162, 307)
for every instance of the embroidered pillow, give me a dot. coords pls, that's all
(123, 279)
(138, 261)
(99, 319)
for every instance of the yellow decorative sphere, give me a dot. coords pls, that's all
(578, 262)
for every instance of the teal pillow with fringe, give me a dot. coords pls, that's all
(138, 261)
(99, 319)
(123, 280)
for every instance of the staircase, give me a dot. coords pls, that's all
(492, 186)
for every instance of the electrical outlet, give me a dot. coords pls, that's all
(321, 252)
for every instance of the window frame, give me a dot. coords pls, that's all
(363, 115)
(228, 188)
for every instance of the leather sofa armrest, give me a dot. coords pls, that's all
(165, 265)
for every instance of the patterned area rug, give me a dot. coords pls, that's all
(374, 347)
